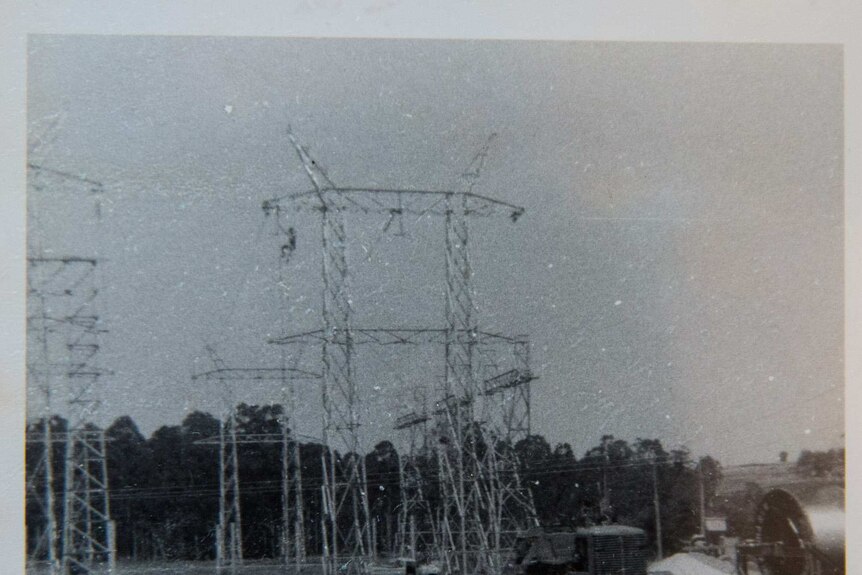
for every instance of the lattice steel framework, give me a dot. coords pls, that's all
(41, 374)
(229, 551)
(62, 345)
(88, 532)
(461, 467)
(416, 534)
(507, 409)
(66, 330)
(510, 412)
(293, 513)
(40, 493)
(292, 541)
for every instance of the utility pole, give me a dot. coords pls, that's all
(605, 504)
(702, 499)
(656, 506)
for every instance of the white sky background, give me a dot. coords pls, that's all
(700, 186)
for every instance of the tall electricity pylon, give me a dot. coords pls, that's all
(461, 478)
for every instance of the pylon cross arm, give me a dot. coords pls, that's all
(398, 336)
(395, 201)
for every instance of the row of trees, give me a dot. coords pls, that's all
(821, 464)
(164, 489)
(620, 482)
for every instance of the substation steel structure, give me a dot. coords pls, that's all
(417, 531)
(469, 483)
(507, 409)
(63, 333)
(228, 529)
(505, 506)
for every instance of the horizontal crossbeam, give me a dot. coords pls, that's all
(62, 260)
(394, 201)
(410, 419)
(449, 403)
(509, 379)
(255, 374)
(394, 336)
(256, 438)
(62, 437)
(97, 186)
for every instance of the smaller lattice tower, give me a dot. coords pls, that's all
(229, 550)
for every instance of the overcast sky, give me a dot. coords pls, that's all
(678, 268)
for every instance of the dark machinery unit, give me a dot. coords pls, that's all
(598, 550)
(800, 531)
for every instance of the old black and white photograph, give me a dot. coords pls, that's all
(368, 306)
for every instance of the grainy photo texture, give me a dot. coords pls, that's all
(319, 307)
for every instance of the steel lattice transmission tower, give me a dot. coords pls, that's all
(229, 550)
(465, 481)
(340, 402)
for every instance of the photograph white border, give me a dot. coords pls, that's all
(771, 21)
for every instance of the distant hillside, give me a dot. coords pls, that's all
(736, 478)
(811, 466)
(742, 486)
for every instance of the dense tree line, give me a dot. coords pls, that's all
(618, 482)
(164, 489)
(821, 464)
